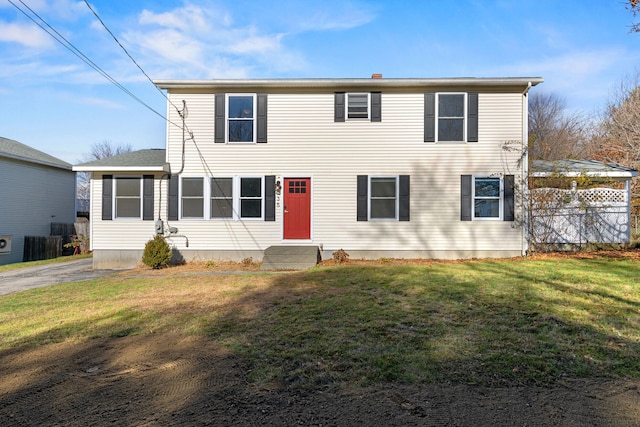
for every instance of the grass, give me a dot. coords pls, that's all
(477, 322)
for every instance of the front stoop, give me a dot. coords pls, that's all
(290, 257)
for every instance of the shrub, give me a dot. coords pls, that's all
(340, 256)
(157, 253)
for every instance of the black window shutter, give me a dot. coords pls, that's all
(472, 117)
(508, 202)
(270, 198)
(466, 188)
(107, 197)
(219, 135)
(404, 198)
(363, 195)
(339, 106)
(430, 117)
(147, 197)
(172, 210)
(262, 118)
(376, 107)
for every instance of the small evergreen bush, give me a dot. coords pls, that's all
(157, 253)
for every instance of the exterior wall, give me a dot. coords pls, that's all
(304, 141)
(120, 242)
(33, 196)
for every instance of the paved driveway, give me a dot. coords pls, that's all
(21, 279)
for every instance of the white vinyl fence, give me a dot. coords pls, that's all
(597, 215)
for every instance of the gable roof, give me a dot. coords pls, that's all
(569, 168)
(15, 150)
(147, 160)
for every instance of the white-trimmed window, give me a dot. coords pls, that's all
(234, 198)
(241, 118)
(221, 197)
(251, 197)
(383, 197)
(192, 198)
(127, 197)
(358, 106)
(487, 198)
(451, 111)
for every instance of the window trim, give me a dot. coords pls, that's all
(500, 198)
(236, 198)
(239, 198)
(347, 113)
(396, 197)
(254, 119)
(465, 116)
(211, 198)
(115, 197)
(181, 198)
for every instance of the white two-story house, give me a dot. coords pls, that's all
(400, 168)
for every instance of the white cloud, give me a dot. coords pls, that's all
(28, 35)
(194, 42)
(101, 102)
(35, 71)
(187, 18)
(332, 16)
(255, 44)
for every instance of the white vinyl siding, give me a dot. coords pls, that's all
(304, 141)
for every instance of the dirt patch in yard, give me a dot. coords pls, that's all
(176, 380)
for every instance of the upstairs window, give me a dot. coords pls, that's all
(241, 118)
(451, 116)
(358, 106)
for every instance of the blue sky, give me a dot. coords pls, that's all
(54, 102)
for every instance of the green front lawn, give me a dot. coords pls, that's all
(478, 322)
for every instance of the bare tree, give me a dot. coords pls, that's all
(106, 149)
(99, 150)
(634, 7)
(618, 137)
(553, 133)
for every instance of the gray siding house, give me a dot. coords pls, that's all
(36, 190)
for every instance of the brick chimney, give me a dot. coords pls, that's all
(376, 76)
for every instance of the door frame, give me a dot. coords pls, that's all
(311, 192)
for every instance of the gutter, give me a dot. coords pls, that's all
(333, 84)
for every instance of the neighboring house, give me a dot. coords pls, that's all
(378, 167)
(36, 190)
(577, 202)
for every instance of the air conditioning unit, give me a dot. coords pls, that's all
(5, 244)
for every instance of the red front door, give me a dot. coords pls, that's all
(297, 208)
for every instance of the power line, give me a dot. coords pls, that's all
(129, 55)
(73, 49)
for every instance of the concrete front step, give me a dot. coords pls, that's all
(290, 257)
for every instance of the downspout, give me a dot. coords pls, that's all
(525, 171)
